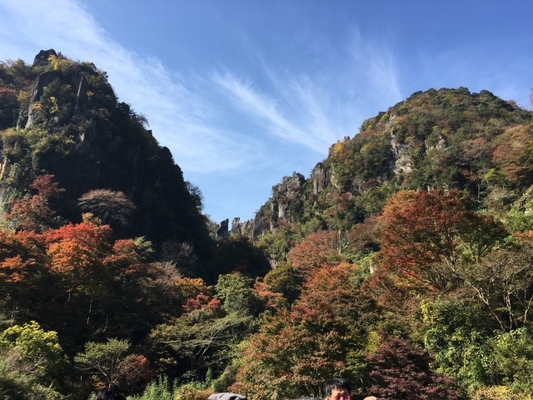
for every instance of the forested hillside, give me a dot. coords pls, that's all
(402, 263)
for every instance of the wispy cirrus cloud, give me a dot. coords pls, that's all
(373, 64)
(294, 110)
(315, 106)
(289, 105)
(182, 119)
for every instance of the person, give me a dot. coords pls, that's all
(113, 393)
(337, 389)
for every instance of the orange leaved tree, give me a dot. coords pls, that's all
(426, 236)
(296, 350)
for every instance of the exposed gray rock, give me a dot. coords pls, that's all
(319, 176)
(76, 78)
(247, 228)
(283, 193)
(222, 231)
(257, 225)
(41, 59)
(81, 97)
(403, 162)
(236, 226)
(281, 211)
(289, 186)
(37, 89)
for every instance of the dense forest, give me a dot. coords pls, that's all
(403, 263)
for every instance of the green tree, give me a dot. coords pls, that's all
(456, 336)
(202, 339)
(509, 361)
(100, 361)
(18, 380)
(39, 351)
(237, 295)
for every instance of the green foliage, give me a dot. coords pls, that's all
(31, 363)
(456, 336)
(520, 217)
(276, 245)
(80, 281)
(19, 382)
(37, 348)
(284, 279)
(236, 293)
(80, 133)
(509, 360)
(201, 340)
(438, 139)
(100, 361)
(192, 392)
(159, 389)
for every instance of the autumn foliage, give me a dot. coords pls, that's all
(295, 349)
(318, 249)
(398, 371)
(33, 212)
(427, 235)
(403, 265)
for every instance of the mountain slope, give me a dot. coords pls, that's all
(437, 139)
(63, 118)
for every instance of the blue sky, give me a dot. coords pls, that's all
(244, 92)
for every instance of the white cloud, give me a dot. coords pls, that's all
(181, 119)
(294, 110)
(203, 133)
(374, 66)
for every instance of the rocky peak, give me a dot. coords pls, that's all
(319, 176)
(41, 59)
(76, 79)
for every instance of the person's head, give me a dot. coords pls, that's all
(337, 389)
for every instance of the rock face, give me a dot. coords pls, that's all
(245, 228)
(222, 231)
(286, 201)
(257, 225)
(37, 89)
(403, 162)
(236, 226)
(41, 59)
(289, 191)
(76, 79)
(98, 142)
(283, 194)
(319, 176)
